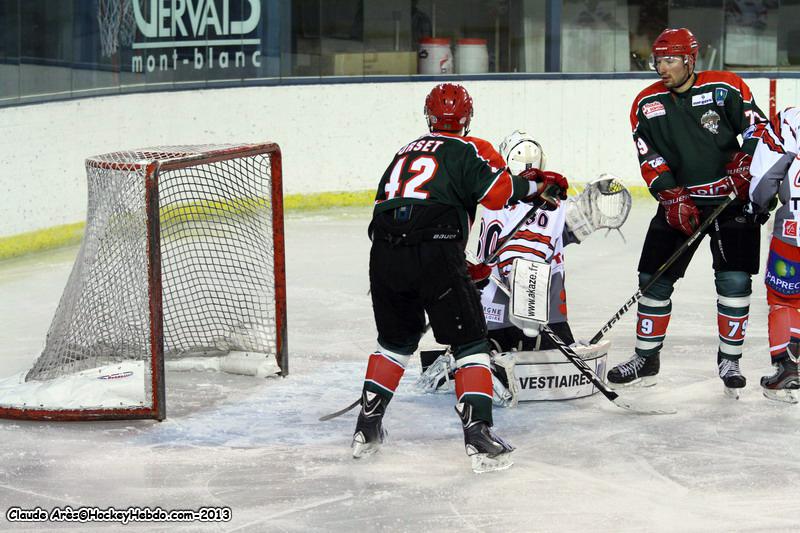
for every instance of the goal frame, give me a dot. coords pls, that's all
(153, 170)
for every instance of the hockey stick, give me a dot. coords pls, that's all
(590, 374)
(663, 268)
(340, 412)
(491, 257)
(511, 234)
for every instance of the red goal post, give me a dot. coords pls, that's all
(182, 260)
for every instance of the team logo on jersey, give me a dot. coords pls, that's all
(790, 228)
(701, 99)
(782, 273)
(719, 96)
(653, 109)
(494, 313)
(715, 189)
(710, 121)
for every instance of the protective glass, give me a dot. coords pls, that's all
(669, 61)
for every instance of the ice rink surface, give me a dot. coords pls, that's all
(256, 446)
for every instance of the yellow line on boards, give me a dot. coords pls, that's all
(71, 234)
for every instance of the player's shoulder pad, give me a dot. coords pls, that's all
(791, 117)
(649, 92)
(787, 124)
(487, 152)
(708, 77)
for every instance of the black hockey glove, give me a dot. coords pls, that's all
(754, 215)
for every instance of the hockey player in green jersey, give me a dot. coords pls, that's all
(685, 127)
(419, 227)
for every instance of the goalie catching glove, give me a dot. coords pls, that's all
(550, 187)
(679, 209)
(603, 204)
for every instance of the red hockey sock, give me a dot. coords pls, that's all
(652, 319)
(784, 327)
(474, 384)
(384, 371)
(733, 313)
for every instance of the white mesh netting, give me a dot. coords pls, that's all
(117, 24)
(603, 204)
(217, 263)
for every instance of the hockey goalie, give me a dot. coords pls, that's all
(525, 364)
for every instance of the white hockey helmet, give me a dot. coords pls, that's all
(521, 151)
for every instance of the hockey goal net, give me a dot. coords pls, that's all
(182, 259)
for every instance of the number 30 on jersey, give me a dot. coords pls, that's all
(410, 181)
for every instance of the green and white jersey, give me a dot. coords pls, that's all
(442, 168)
(686, 139)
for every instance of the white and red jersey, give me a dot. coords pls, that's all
(776, 170)
(541, 239)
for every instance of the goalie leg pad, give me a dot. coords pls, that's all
(564, 333)
(428, 357)
(438, 376)
(507, 339)
(505, 386)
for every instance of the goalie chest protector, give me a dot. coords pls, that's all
(548, 375)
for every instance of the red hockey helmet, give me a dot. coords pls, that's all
(675, 42)
(448, 107)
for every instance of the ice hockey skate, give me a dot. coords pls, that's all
(731, 376)
(636, 371)
(487, 451)
(783, 385)
(369, 434)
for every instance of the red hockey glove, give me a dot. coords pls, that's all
(738, 171)
(478, 272)
(552, 186)
(680, 211)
